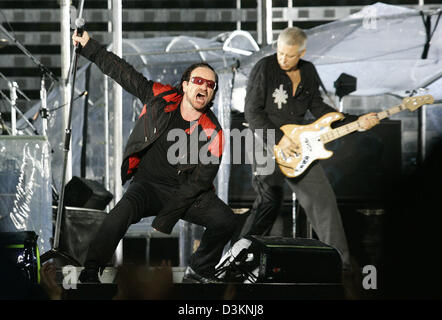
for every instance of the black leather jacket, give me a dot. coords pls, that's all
(159, 100)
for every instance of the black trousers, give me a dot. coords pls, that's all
(315, 195)
(147, 199)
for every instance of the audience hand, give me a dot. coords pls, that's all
(47, 281)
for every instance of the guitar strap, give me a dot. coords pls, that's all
(325, 90)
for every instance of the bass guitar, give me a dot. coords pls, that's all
(311, 138)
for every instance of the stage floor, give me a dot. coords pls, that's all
(180, 290)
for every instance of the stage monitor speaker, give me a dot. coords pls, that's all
(259, 259)
(345, 84)
(85, 193)
(20, 249)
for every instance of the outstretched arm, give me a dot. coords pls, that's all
(115, 67)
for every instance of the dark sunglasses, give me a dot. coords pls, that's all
(200, 81)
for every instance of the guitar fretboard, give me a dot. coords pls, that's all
(356, 125)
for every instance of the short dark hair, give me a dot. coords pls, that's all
(188, 72)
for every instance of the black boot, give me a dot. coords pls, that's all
(191, 276)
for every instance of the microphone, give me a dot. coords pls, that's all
(79, 23)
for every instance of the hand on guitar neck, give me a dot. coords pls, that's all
(368, 121)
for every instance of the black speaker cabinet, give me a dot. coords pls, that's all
(85, 193)
(19, 249)
(282, 260)
(78, 229)
(296, 260)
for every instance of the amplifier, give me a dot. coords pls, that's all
(20, 249)
(281, 260)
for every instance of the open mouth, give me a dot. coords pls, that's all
(201, 97)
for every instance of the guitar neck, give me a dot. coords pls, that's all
(356, 125)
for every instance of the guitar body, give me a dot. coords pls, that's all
(308, 138)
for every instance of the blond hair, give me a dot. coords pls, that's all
(293, 36)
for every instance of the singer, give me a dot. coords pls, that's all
(158, 188)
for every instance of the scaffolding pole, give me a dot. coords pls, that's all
(117, 92)
(65, 90)
(264, 23)
(106, 135)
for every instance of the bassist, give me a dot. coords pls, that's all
(281, 88)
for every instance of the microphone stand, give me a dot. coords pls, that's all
(54, 252)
